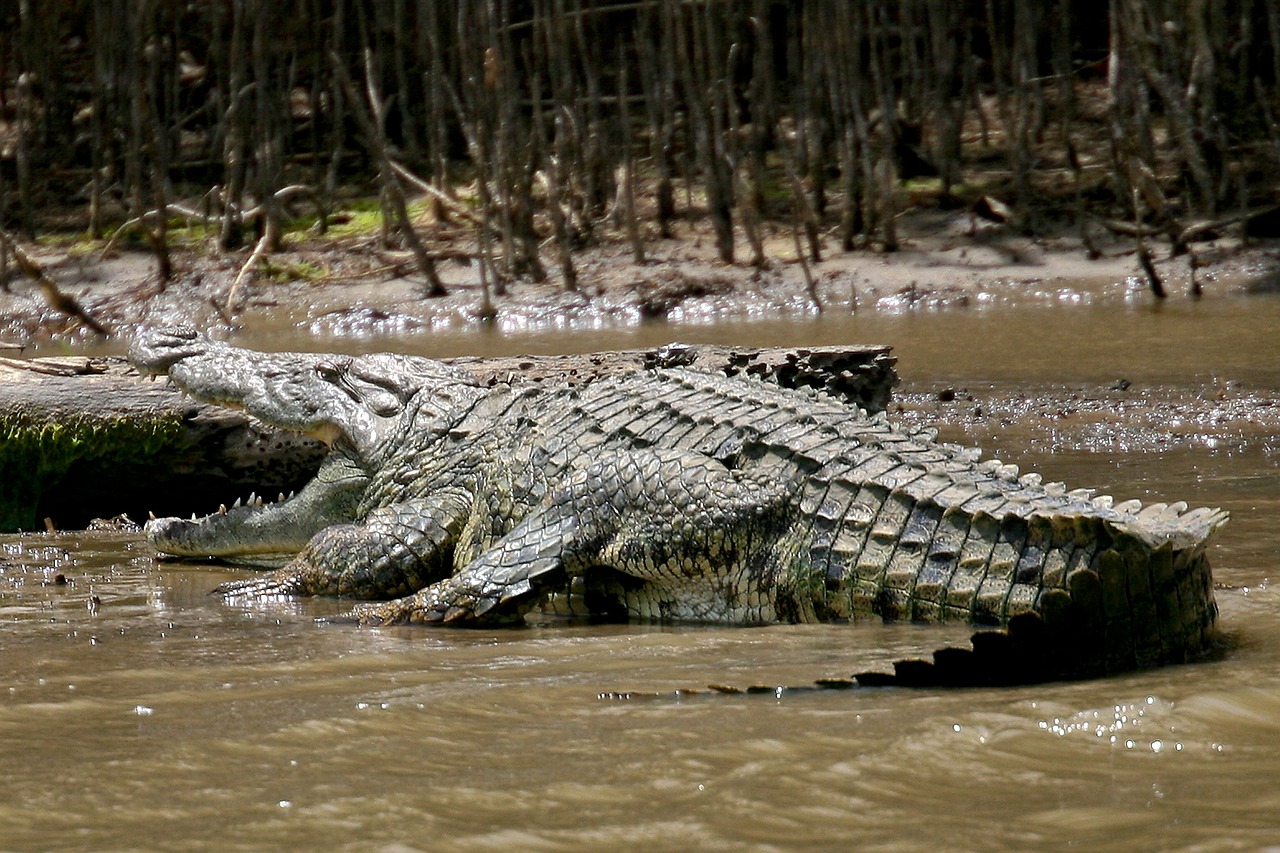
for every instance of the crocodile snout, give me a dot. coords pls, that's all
(156, 350)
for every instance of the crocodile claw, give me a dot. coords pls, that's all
(442, 603)
(347, 617)
(460, 614)
(404, 611)
(368, 615)
(281, 583)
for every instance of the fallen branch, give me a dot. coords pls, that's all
(270, 237)
(1130, 229)
(150, 216)
(1144, 255)
(1197, 229)
(455, 207)
(260, 250)
(57, 300)
(283, 194)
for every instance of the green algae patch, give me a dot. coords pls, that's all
(41, 454)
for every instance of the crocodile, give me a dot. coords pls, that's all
(679, 495)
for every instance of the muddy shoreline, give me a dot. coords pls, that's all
(354, 289)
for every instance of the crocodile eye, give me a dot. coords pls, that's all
(329, 371)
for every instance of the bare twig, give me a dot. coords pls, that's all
(451, 204)
(1144, 256)
(260, 250)
(801, 213)
(57, 300)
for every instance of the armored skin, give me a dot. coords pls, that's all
(689, 496)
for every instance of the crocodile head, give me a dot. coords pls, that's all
(358, 405)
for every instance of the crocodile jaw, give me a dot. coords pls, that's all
(223, 535)
(267, 534)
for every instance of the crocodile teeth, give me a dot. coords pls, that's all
(193, 517)
(222, 508)
(253, 497)
(236, 505)
(151, 515)
(280, 499)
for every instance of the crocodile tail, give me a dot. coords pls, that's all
(1145, 599)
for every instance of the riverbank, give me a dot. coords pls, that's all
(352, 288)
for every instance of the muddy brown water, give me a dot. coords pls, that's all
(137, 712)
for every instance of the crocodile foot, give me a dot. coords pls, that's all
(451, 602)
(280, 583)
(399, 612)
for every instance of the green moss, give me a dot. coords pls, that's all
(295, 270)
(36, 454)
(362, 217)
(357, 219)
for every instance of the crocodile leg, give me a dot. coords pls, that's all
(397, 549)
(658, 517)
